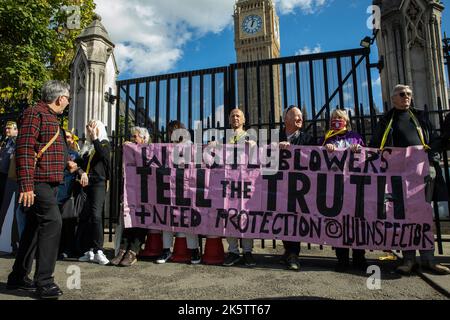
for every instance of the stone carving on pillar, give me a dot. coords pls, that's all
(93, 73)
(415, 25)
(410, 41)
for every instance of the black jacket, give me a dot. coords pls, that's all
(428, 132)
(303, 139)
(100, 163)
(431, 139)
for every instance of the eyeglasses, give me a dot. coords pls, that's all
(68, 98)
(405, 94)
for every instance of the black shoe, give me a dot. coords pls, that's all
(249, 261)
(195, 256)
(231, 259)
(49, 291)
(292, 262)
(166, 255)
(407, 268)
(25, 284)
(435, 268)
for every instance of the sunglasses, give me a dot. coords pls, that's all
(405, 94)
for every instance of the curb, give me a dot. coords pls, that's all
(434, 284)
(429, 280)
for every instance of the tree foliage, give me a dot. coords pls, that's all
(36, 45)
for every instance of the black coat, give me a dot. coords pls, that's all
(100, 164)
(303, 139)
(431, 139)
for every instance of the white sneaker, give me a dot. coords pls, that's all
(100, 258)
(88, 257)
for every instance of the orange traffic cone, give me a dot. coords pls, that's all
(153, 245)
(180, 250)
(214, 252)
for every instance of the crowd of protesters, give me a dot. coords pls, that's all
(62, 188)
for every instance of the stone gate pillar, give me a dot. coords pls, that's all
(93, 73)
(410, 40)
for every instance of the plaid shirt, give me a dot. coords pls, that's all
(39, 125)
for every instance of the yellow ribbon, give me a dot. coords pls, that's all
(332, 133)
(418, 128)
(236, 138)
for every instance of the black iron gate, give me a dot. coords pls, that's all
(202, 99)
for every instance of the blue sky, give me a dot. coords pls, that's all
(207, 40)
(156, 37)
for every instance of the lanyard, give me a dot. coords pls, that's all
(235, 139)
(89, 162)
(332, 133)
(418, 128)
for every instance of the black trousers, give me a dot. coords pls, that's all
(343, 254)
(40, 237)
(291, 247)
(3, 181)
(68, 231)
(90, 228)
(133, 238)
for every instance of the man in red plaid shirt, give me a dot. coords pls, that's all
(38, 183)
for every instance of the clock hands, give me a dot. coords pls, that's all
(252, 24)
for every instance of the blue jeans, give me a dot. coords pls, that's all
(21, 218)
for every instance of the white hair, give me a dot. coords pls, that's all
(142, 132)
(102, 135)
(400, 87)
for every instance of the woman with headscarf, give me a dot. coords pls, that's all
(96, 159)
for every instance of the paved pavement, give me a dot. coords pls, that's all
(269, 280)
(441, 283)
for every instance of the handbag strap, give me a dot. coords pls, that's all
(89, 161)
(40, 153)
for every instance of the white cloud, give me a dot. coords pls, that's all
(308, 50)
(375, 83)
(306, 6)
(150, 34)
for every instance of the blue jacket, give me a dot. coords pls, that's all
(65, 189)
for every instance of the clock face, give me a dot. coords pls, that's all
(252, 24)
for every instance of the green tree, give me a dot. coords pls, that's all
(36, 45)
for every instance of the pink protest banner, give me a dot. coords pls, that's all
(370, 200)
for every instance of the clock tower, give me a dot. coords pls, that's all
(257, 37)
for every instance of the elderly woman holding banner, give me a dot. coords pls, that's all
(341, 136)
(132, 238)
